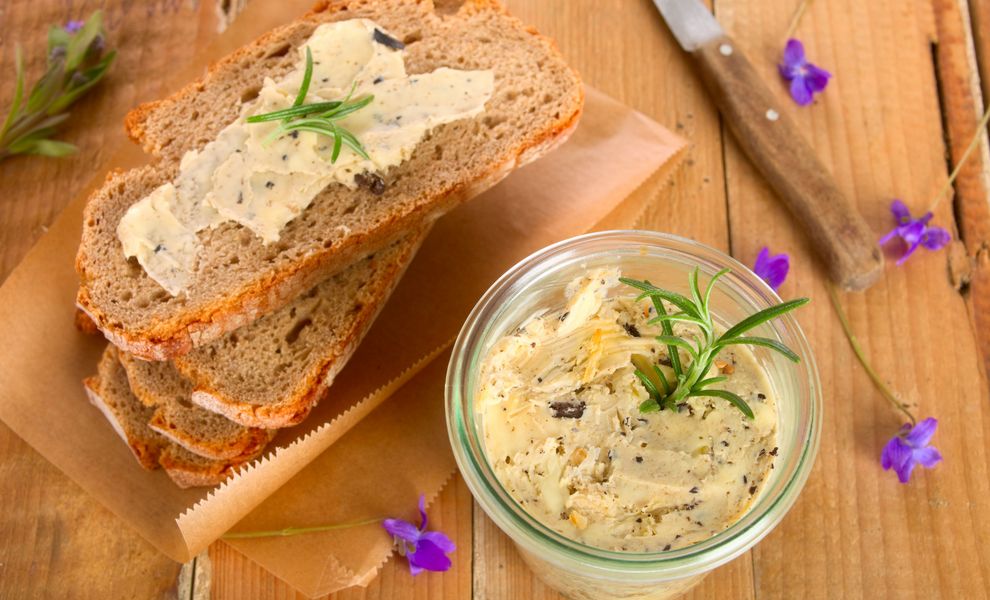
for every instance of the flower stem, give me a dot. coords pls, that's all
(885, 391)
(969, 150)
(796, 19)
(297, 530)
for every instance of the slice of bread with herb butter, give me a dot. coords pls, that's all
(109, 391)
(160, 387)
(271, 373)
(492, 94)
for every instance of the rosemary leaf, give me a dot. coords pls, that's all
(726, 395)
(761, 317)
(307, 77)
(295, 111)
(761, 341)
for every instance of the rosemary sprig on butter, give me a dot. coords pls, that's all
(667, 390)
(317, 117)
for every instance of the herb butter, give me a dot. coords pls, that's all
(263, 184)
(563, 431)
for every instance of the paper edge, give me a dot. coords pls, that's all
(198, 522)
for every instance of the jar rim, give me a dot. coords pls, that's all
(756, 521)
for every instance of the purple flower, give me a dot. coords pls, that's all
(425, 550)
(909, 448)
(73, 26)
(772, 269)
(914, 232)
(806, 79)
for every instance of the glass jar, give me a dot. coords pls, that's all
(537, 283)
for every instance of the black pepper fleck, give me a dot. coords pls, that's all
(752, 490)
(269, 184)
(694, 490)
(639, 459)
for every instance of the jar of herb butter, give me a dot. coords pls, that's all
(540, 285)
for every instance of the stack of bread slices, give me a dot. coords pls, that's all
(199, 383)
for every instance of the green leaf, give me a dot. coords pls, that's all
(52, 148)
(296, 111)
(307, 77)
(764, 342)
(710, 381)
(45, 89)
(695, 289)
(668, 329)
(663, 379)
(345, 109)
(644, 368)
(93, 76)
(711, 286)
(761, 317)
(79, 42)
(673, 340)
(353, 142)
(674, 298)
(726, 395)
(57, 36)
(15, 106)
(682, 318)
(649, 405)
(650, 388)
(338, 142)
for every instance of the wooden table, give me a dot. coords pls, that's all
(902, 106)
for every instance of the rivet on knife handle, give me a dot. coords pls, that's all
(840, 236)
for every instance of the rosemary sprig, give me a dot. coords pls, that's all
(76, 63)
(317, 117)
(689, 381)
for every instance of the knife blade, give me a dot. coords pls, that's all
(841, 238)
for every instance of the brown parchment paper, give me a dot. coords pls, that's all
(44, 360)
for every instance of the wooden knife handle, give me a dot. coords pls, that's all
(845, 244)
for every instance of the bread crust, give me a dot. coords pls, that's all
(149, 449)
(314, 385)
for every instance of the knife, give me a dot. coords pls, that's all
(840, 236)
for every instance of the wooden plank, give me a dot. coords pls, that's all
(962, 107)
(855, 530)
(235, 577)
(980, 16)
(55, 540)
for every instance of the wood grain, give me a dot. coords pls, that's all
(855, 532)
(844, 243)
(55, 540)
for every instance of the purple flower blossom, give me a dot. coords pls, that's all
(914, 232)
(909, 448)
(73, 26)
(806, 79)
(425, 550)
(772, 269)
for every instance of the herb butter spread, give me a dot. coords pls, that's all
(262, 184)
(562, 427)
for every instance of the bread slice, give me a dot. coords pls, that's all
(159, 386)
(271, 373)
(109, 391)
(536, 104)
